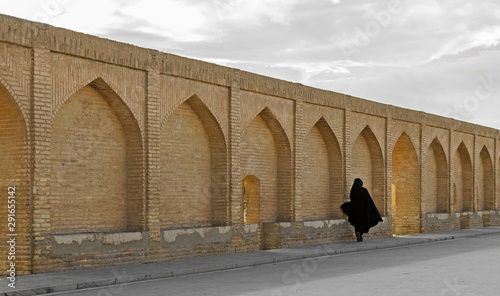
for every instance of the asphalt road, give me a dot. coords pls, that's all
(460, 267)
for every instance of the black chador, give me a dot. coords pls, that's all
(362, 212)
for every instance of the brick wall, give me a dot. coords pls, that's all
(250, 209)
(89, 165)
(406, 183)
(322, 174)
(136, 154)
(13, 173)
(251, 200)
(485, 182)
(430, 191)
(259, 158)
(185, 171)
(316, 201)
(436, 187)
(498, 186)
(463, 182)
(367, 164)
(193, 169)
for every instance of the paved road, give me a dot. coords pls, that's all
(460, 267)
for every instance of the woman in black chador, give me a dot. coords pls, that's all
(362, 212)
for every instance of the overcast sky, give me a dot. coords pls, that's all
(441, 57)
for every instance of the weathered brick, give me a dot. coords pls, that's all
(108, 137)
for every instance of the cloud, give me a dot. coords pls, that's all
(174, 19)
(252, 12)
(427, 55)
(485, 37)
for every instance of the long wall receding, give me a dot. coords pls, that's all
(121, 154)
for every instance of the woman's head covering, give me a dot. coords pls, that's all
(356, 186)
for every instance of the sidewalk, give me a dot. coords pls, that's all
(72, 280)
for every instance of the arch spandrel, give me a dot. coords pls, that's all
(108, 91)
(461, 139)
(211, 122)
(368, 133)
(20, 105)
(464, 151)
(326, 128)
(437, 145)
(413, 134)
(70, 74)
(404, 137)
(282, 109)
(176, 90)
(274, 125)
(15, 66)
(358, 122)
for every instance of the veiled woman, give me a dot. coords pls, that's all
(362, 212)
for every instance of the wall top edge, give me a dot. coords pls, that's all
(38, 35)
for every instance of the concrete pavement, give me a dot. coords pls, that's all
(100, 277)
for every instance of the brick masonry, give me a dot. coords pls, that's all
(122, 155)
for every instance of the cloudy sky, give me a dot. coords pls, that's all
(441, 57)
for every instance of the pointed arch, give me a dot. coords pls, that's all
(486, 198)
(61, 99)
(322, 174)
(202, 108)
(405, 139)
(14, 172)
(266, 154)
(9, 92)
(462, 180)
(193, 161)
(406, 183)
(436, 194)
(97, 162)
(64, 92)
(368, 165)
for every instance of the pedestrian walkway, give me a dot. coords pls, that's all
(73, 280)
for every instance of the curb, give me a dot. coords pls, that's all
(279, 259)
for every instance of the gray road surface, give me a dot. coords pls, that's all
(460, 267)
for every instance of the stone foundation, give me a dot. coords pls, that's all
(435, 222)
(290, 234)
